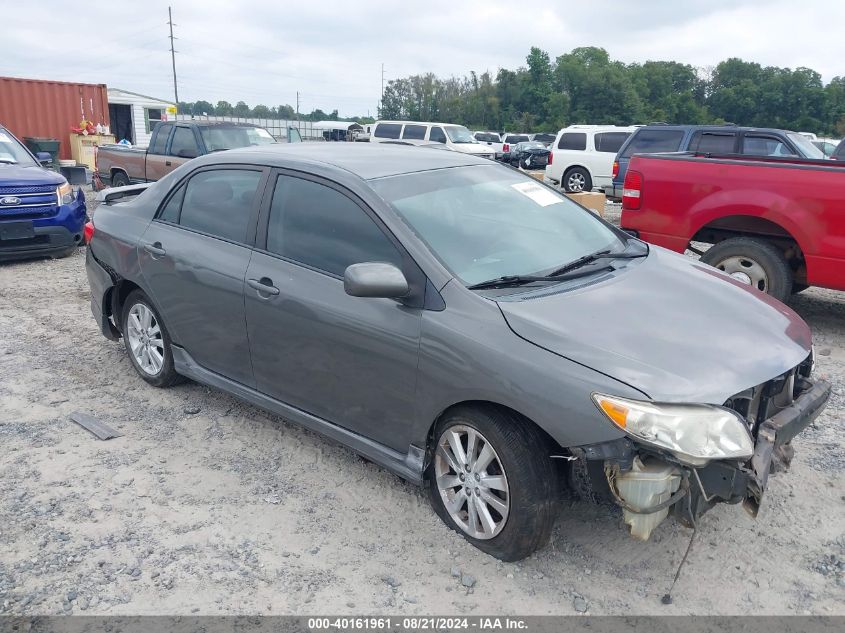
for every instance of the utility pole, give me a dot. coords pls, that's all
(173, 57)
(381, 100)
(297, 105)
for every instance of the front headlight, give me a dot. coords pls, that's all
(65, 193)
(694, 433)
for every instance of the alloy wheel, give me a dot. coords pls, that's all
(145, 339)
(472, 482)
(576, 182)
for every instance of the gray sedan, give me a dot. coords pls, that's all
(460, 324)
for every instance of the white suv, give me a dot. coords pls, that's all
(455, 137)
(582, 156)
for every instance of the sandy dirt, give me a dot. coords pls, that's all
(207, 505)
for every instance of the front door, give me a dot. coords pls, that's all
(349, 360)
(194, 258)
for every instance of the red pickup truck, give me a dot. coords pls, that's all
(775, 223)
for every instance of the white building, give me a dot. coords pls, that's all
(133, 115)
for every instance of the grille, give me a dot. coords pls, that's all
(27, 213)
(35, 201)
(11, 191)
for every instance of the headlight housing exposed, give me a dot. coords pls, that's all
(694, 433)
(64, 193)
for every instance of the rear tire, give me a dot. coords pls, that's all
(119, 179)
(755, 262)
(577, 180)
(509, 524)
(147, 341)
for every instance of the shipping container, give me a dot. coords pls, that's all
(34, 107)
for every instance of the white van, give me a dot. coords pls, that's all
(456, 137)
(582, 156)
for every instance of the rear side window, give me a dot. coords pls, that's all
(610, 142)
(573, 140)
(754, 145)
(653, 141)
(713, 143)
(184, 144)
(160, 143)
(219, 202)
(388, 130)
(322, 228)
(437, 135)
(414, 132)
(170, 212)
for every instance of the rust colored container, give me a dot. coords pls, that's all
(49, 109)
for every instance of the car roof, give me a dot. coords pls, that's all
(365, 160)
(724, 127)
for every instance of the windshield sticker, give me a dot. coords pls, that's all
(4, 138)
(262, 132)
(539, 194)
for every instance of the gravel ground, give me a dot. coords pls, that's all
(207, 505)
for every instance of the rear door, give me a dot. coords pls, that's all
(349, 360)
(194, 257)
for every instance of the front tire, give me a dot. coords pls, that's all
(147, 341)
(755, 262)
(492, 480)
(577, 180)
(120, 179)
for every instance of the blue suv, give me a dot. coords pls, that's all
(709, 139)
(39, 213)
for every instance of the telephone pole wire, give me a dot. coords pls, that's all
(173, 56)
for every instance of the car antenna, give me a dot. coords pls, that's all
(667, 597)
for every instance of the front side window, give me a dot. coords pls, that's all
(184, 145)
(654, 141)
(805, 147)
(320, 227)
(219, 202)
(414, 132)
(437, 135)
(160, 143)
(388, 130)
(839, 153)
(754, 145)
(610, 142)
(573, 140)
(486, 222)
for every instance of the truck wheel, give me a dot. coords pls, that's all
(119, 179)
(491, 480)
(147, 341)
(577, 180)
(754, 262)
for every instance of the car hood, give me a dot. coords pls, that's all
(669, 326)
(11, 175)
(473, 148)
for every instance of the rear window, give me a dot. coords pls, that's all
(654, 141)
(713, 143)
(486, 137)
(610, 141)
(515, 138)
(414, 132)
(544, 138)
(388, 130)
(573, 140)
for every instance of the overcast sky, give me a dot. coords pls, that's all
(264, 51)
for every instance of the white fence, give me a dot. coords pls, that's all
(277, 127)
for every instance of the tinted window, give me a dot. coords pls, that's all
(485, 137)
(414, 132)
(388, 130)
(184, 144)
(437, 135)
(161, 139)
(515, 138)
(765, 146)
(840, 151)
(219, 202)
(610, 141)
(573, 140)
(544, 138)
(170, 212)
(322, 228)
(713, 143)
(653, 141)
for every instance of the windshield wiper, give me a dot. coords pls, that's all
(589, 259)
(509, 281)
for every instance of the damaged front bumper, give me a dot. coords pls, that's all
(649, 484)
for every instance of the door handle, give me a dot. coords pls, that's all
(155, 249)
(264, 285)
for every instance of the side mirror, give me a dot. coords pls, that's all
(375, 279)
(44, 158)
(186, 153)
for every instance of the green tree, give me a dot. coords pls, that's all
(241, 110)
(261, 111)
(223, 108)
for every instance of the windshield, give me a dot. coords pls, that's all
(805, 146)
(459, 134)
(11, 151)
(221, 137)
(487, 222)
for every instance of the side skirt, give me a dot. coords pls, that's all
(409, 466)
